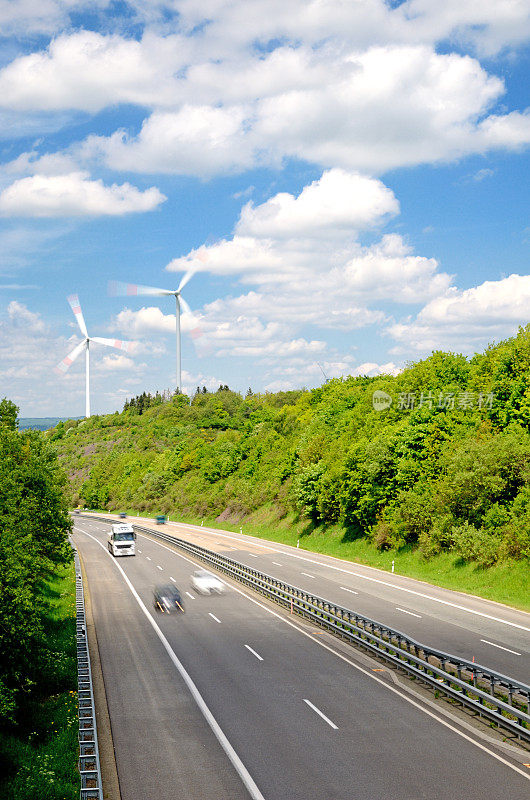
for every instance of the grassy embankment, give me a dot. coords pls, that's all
(39, 760)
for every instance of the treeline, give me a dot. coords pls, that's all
(34, 525)
(436, 458)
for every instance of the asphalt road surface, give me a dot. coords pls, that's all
(233, 700)
(466, 626)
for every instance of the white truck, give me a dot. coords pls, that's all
(121, 540)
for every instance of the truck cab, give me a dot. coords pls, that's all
(121, 540)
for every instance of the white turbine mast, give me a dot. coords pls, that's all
(85, 345)
(133, 290)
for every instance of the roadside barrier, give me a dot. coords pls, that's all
(89, 767)
(498, 698)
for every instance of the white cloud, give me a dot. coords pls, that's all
(151, 319)
(196, 140)
(371, 106)
(467, 319)
(339, 203)
(372, 110)
(303, 254)
(119, 363)
(74, 195)
(21, 317)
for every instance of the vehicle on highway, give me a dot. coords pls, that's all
(160, 519)
(168, 599)
(121, 540)
(205, 582)
(123, 515)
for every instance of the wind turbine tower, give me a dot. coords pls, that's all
(133, 290)
(85, 345)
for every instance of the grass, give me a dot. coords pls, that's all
(39, 757)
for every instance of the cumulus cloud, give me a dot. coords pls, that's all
(303, 254)
(467, 319)
(385, 107)
(21, 317)
(74, 195)
(119, 363)
(339, 203)
(148, 320)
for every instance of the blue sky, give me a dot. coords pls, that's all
(348, 183)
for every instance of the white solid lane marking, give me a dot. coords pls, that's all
(404, 610)
(515, 653)
(251, 555)
(254, 653)
(147, 557)
(190, 595)
(241, 770)
(214, 617)
(158, 566)
(171, 578)
(320, 643)
(307, 574)
(349, 590)
(320, 714)
(277, 563)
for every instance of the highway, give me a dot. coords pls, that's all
(234, 700)
(460, 624)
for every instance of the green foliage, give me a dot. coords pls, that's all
(33, 541)
(448, 471)
(8, 414)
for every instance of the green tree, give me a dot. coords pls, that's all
(34, 525)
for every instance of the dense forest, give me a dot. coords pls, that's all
(436, 458)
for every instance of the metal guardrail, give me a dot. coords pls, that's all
(492, 695)
(89, 767)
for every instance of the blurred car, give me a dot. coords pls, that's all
(160, 519)
(168, 599)
(205, 582)
(123, 515)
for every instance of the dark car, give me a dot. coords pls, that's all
(160, 519)
(123, 515)
(168, 599)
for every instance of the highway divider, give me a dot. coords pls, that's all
(498, 698)
(89, 766)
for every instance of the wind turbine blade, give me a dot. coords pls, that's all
(185, 306)
(76, 308)
(117, 343)
(70, 358)
(117, 289)
(185, 279)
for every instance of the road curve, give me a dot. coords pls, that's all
(304, 721)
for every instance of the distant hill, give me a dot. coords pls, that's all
(41, 423)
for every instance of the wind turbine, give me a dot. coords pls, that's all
(132, 290)
(85, 345)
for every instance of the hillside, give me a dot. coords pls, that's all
(444, 468)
